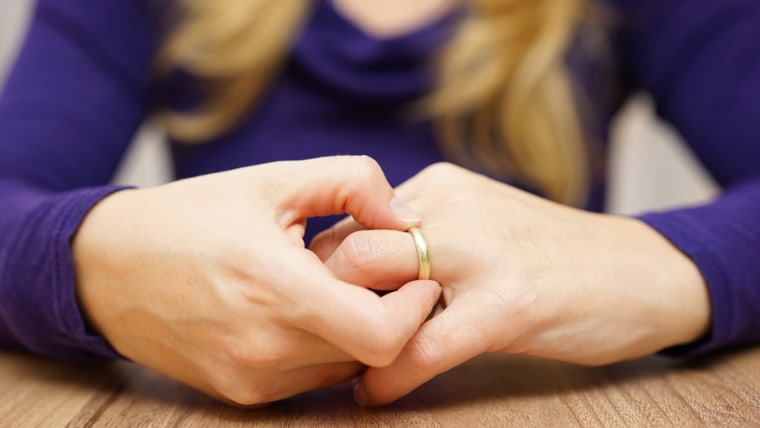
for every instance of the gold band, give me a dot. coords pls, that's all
(423, 255)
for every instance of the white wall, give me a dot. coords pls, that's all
(13, 15)
(651, 168)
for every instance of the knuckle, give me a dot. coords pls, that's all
(364, 176)
(384, 345)
(242, 379)
(439, 169)
(357, 252)
(367, 164)
(364, 170)
(246, 395)
(247, 359)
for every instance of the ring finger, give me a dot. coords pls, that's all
(378, 259)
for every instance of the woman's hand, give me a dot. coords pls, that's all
(520, 275)
(207, 279)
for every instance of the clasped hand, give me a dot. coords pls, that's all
(520, 274)
(207, 280)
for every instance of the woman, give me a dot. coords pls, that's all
(207, 280)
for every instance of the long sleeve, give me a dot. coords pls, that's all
(79, 90)
(700, 59)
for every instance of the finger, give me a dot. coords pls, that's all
(342, 184)
(296, 231)
(378, 259)
(255, 391)
(309, 378)
(449, 339)
(302, 348)
(328, 240)
(371, 328)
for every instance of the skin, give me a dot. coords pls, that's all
(388, 18)
(520, 275)
(207, 279)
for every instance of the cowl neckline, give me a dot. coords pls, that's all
(335, 52)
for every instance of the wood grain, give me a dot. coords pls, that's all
(491, 390)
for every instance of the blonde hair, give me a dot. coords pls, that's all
(504, 100)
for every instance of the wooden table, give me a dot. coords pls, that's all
(491, 390)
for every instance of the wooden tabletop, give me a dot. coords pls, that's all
(491, 390)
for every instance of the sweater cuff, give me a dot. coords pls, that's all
(69, 316)
(47, 319)
(723, 240)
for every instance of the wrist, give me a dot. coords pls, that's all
(92, 246)
(684, 313)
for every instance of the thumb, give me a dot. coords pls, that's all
(353, 185)
(445, 341)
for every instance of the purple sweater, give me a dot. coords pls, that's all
(82, 86)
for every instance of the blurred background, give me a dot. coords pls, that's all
(651, 168)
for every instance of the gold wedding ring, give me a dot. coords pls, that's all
(423, 253)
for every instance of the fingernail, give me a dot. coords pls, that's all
(360, 395)
(403, 212)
